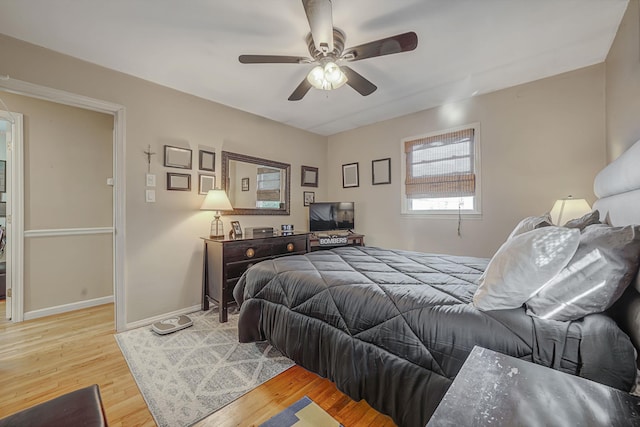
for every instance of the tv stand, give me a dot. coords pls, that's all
(353, 239)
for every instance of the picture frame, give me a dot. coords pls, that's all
(309, 197)
(309, 176)
(207, 161)
(350, 175)
(236, 230)
(3, 176)
(381, 171)
(207, 182)
(245, 184)
(176, 157)
(178, 181)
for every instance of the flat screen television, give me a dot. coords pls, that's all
(327, 216)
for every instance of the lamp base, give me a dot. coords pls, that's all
(217, 230)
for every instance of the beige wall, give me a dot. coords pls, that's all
(623, 85)
(67, 160)
(539, 142)
(163, 246)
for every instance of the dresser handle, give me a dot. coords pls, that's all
(250, 253)
(290, 247)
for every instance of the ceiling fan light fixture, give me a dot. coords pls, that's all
(327, 77)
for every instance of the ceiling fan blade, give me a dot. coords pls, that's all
(300, 91)
(363, 86)
(395, 44)
(320, 20)
(273, 59)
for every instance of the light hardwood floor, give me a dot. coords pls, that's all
(43, 358)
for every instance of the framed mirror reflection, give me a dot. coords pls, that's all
(270, 192)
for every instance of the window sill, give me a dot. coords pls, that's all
(442, 215)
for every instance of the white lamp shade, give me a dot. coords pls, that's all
(567, 209)
(216, 200)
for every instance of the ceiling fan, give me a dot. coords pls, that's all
(326, 47)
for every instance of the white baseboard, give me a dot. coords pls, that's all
(150, 320)
(35, 314)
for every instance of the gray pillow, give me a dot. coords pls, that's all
(603, 266)
(531, 223)
(583, 222)
(524, 264)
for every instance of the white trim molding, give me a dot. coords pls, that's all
(68, 232)
(35, 314)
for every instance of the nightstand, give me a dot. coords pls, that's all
(494, 389)
(225, 260)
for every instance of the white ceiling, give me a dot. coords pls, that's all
(465, 47)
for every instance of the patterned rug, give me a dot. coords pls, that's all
(187, 375)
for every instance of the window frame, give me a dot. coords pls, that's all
(405, 201)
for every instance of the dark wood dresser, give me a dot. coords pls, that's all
(224, 261)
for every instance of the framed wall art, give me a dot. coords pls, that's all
(245, 184)
(350, 175)
(309, 176)
(207, 161)
(309, 197)
(207, 182)
(175, 157)
(381, 171)
(178, 181)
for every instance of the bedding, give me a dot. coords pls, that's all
(394, 327)
(522, 266)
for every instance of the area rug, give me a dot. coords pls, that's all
(304, 413)
(187, 375)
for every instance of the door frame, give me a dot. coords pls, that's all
(15, 186)
(119, 243)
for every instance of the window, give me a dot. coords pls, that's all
(441, 172)
(268, 191)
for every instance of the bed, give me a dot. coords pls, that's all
(394, 327)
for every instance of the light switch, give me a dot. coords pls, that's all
(110, 181)
(151, 180)
(150, 196)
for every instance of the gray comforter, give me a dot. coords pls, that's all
(394, 327)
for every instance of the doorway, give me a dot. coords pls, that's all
(117, 231)
(6, 132)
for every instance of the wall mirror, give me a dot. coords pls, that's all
(268, 191)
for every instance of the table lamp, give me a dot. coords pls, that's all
(217, 201)
(567, 209)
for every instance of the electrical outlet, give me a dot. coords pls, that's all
(151, 180)
(150, 196)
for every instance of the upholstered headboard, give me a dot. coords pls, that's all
(618, 189)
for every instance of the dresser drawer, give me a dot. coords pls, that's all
(290, 245)
(238, 251)
(235, 269)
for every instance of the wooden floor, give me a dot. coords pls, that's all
(43, 358)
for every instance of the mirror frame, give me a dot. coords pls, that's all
(227, 156)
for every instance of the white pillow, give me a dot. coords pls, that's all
(599, 272)
(531, 223)
(523, 265)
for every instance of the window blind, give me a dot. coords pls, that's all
(441, 165)
(268, 187)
